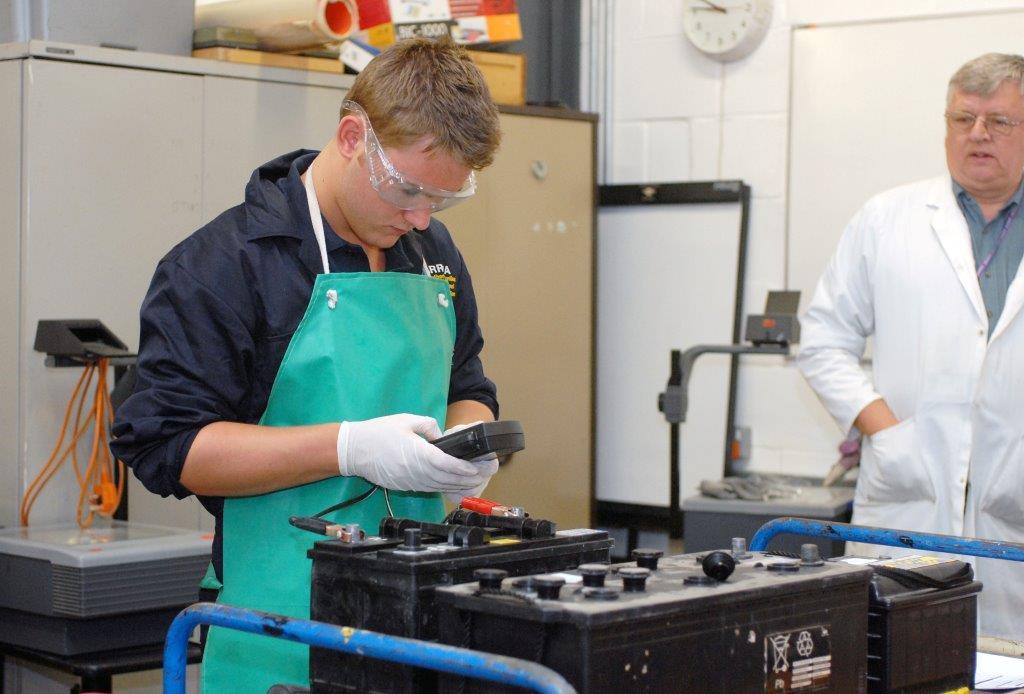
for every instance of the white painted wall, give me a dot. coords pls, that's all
(672, 114)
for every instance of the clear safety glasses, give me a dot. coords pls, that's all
(398, 189)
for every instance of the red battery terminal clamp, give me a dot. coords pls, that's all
(490, 508)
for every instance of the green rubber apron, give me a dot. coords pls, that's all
(370, 344)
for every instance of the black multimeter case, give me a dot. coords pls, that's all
(501, 438)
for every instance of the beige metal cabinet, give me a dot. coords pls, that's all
(528, 239)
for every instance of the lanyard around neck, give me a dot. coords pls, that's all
(318, 224)
(999, 241)
(315, 218)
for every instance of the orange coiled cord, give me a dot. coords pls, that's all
(98, 492)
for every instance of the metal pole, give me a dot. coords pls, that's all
(907, 539)
(458, 661)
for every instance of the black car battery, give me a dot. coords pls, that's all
(684, 623)
(922, 625)
(387, 584)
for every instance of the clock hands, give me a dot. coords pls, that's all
(712, 7)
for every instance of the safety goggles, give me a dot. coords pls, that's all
(397, 188)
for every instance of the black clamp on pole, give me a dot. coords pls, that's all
(673, 403)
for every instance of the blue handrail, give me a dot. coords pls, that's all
(906, 539)
(433, 656)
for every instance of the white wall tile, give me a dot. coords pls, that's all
(668, 146)
(782, 411)
(763, 459)
(628, 18)
(661, 18)
(759, 83)
(705, 145)
(844, 11)
(780, 14)
(629, 153)
(664, 78)
(754, 149)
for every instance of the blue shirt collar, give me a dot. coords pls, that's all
(291, 219)
(969, 206)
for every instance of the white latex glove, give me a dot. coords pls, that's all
(393, 452)
(487, 465)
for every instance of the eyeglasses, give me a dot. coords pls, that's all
(398, 189)
(962, 121)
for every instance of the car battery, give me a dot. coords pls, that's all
(922, 625)
(387, 584)
(772, 625)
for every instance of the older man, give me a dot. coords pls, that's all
(930, 270)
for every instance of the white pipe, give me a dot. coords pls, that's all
(283, 25)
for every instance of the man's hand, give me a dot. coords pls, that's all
(875, 417)
(486, 464)
(394, 452)
(849, 458)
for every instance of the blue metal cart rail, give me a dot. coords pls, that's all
(396, 649)
(950, 544)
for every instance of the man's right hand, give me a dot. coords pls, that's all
(394, 452)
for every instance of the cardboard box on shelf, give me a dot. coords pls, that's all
(505, 74)
(382, 22)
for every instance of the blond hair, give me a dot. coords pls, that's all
(421, 87)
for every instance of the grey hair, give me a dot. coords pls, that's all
(983, 75)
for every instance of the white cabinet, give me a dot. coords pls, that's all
(10, 214)
(113, 157)
(247, 123)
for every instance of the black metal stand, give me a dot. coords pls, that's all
(96, 670)
(673, 403)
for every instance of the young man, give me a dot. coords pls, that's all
(296, 353)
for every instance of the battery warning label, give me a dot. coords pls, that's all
(798, 660)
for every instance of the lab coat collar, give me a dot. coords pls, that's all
(950, 228)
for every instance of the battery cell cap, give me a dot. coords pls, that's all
(647, 558)
(718, 565)
(593, 574)
(490, 579)
(548, 587)
(634, 578)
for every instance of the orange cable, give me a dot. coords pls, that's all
(53, 469)
(56, 449)
(78, 415)
(91, 471)
(121, 469)
(97, 485)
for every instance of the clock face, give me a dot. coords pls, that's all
(726, 29)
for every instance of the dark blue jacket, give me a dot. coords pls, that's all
(222, 308)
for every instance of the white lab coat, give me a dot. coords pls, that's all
(904, 272)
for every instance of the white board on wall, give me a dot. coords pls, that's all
(867, 115)
(667, 280)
